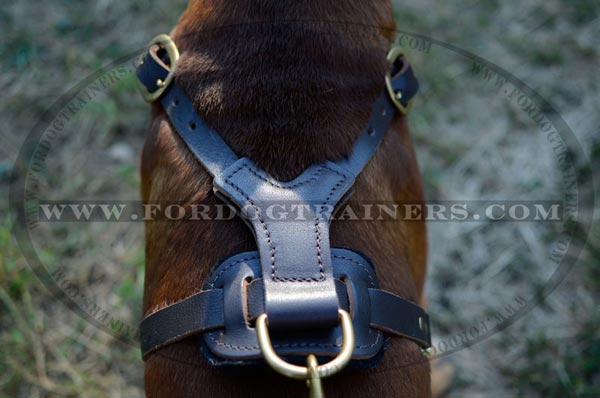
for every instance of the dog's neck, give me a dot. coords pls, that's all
(284, 82)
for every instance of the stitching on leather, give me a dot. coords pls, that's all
(290, 345)
(241, 260)
(319, 259)
(372, 282)
(262, 222)
(265, 227)
(285, 185)
(336, 186)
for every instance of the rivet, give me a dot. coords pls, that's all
(398, 95)
(422, 325)
(160, 83)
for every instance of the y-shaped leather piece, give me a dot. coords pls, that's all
(294, 252)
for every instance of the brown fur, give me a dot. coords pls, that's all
(285, 93)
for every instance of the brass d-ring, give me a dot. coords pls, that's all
(302, 372)
(168, 44)
(395, 96)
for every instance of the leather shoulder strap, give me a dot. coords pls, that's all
(205, 143)
(214, 309)
(216, 156)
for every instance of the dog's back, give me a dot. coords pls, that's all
(285, 93)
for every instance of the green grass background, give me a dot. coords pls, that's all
(471, 144)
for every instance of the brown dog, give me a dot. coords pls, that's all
(286, 84)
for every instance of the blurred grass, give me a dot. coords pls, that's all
(471, 146)
(557, 366)
(49, 351)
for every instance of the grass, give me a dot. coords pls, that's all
(472, 143)
(557, 365)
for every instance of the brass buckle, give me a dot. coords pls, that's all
(168, 44)
(307, 372)
(395, 96)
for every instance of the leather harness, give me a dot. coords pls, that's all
(295, 277)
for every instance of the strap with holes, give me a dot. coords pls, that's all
(215, 155)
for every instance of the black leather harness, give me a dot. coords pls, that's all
(294, 277)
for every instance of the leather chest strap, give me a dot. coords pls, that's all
(206, 311)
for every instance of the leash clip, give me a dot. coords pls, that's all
(314, 381)
(163, 41)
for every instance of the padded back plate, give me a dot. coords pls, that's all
(353, 273)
